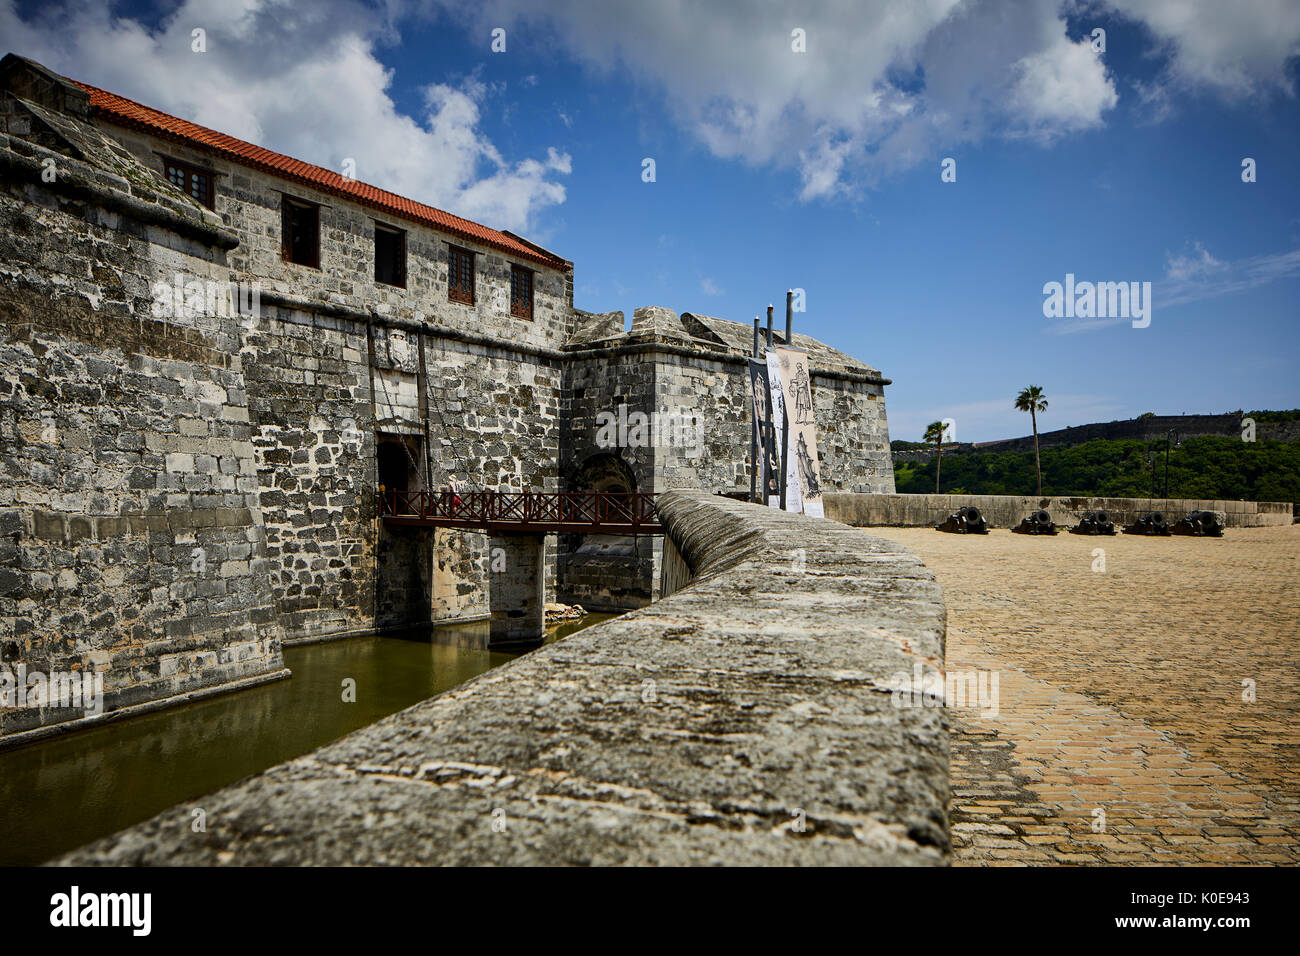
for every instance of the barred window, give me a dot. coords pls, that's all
(521, 292)
(193, 180)
(460, 275)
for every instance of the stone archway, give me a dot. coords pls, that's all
(605, 572)
(604, 471)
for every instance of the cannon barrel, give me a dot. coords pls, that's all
(1094, 522)
(1201, 524)
(1036, 522)
(965, 520)
(1153, 523)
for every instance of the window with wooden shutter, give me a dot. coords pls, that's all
(300, 232)
(521, 292)
(460, 275)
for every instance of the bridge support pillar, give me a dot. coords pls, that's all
(516, 587)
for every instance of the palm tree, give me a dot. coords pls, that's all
(1032, 400)
(934, 433)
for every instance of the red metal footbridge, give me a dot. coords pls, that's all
(583, 512)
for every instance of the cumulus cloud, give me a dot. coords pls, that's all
(1238, 48)
(1063, 87)
(885, 86)
(303, 79)
(881, 86)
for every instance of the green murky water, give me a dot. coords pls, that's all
(61, 793)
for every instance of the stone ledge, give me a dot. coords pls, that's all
(23, 737)
(693, 731)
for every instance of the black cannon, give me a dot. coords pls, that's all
(1094, 522)
(965, 520)
(1036, 522)
(1203, 524)
(1153, 523)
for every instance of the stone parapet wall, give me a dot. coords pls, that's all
(747, 719)
(1005, 511)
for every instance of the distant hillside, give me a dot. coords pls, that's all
(1275, 425)
(1205, 467)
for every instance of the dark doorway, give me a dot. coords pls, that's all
(398, 458)
(403, 555)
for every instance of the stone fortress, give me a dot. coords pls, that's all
(213, 355)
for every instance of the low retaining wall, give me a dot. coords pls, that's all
(1005, 511)
(745, 719)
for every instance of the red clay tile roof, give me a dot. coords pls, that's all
(118, 109)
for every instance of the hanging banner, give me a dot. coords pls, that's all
(793, 499)
(766, 463)
(803, 427)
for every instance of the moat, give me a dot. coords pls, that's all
(67, 791)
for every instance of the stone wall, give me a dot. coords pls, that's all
(249, 201)
(329, 389)
(692, 369)
(852, 435)
(1005, 511)
(747, 719)
(687, 376)
(312, 429)
(605, 572)
(204, 470)
(488, 412)
(133, 545)
(190, 479)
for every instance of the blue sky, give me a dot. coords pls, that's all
(818, 170)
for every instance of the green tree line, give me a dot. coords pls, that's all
(1209, 467)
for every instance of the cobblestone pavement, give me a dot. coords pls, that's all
(1120, 696)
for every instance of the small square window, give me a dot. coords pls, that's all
(194, 181)
(300, 232)
(390, 256)
(521, 292)
(460, 275)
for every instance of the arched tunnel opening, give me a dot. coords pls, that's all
(605, 572)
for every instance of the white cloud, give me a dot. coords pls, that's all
(880, 88)
(1194, 264)
(1063, 87)
(303, 79)
(1236, 47)
(709, 287)
(1195, 275)
(884, 86)
(1198, 275)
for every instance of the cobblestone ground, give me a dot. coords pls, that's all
(1120, 692)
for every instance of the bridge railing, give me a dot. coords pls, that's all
(577, 510)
